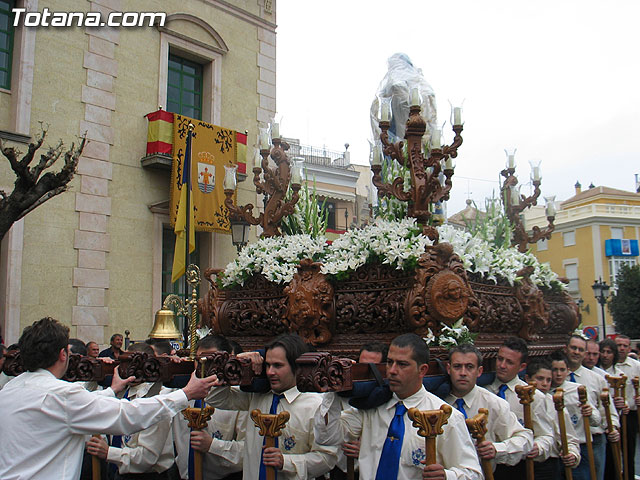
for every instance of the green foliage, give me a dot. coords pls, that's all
(625, 302)
(309, 217)
(492, 225)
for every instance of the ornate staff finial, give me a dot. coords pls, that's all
(429, 424)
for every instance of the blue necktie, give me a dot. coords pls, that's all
(572, 377)
(272, 411)
(460, 406)
(192, 475)
(390, 457)
(501, 390)
(116, 440)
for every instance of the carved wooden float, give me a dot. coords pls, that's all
(377, 302)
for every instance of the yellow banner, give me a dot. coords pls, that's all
(212, 148)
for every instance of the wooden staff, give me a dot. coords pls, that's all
(429, 424)
(619, 386)
(477, 426)
(270, 427)
(95, 465)
(615, 446)
(582, 396)
(526, 395)
(198, 419)
(636, 387)
(558, 401)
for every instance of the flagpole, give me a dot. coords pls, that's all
(187, 164)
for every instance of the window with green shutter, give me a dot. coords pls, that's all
(184, 87)
(6, 42)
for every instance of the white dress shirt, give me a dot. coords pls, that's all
(48, 418)
(454, 447)
(147, 451)
(572, 439)
(572, 406)
(227, 429)
(630, 368)
(597, 383)
(303, 457)
(542, 422)
(510, 439)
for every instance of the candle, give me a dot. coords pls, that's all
(275, 130)
(435, 138)
(515, 196)
(511, 163)
(377, 156)
(229, 178)
(457, 116)
(448, 164)
(415, 97)
(535, 174)
(257, 159)
(296, 171)
(385, 111)
(264, 139)
(551, 206)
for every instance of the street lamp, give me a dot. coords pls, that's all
(601, 292)
(240, 230)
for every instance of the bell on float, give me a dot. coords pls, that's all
(164, 325)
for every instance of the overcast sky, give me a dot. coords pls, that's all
(558, 80)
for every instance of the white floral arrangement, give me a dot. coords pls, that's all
(396, 243)
(450, 336)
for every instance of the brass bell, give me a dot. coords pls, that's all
(164, 325)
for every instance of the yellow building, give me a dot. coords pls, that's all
(597, 231)
(98, 257)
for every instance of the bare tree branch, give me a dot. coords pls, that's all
(32, 188)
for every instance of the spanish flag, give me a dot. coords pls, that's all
(185, 205)
(160, 133)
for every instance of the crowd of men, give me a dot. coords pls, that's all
(53, 429)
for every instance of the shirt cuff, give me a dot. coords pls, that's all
(114, 454)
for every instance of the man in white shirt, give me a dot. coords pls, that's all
(631, 368)
(298, 455)
(506, 441)
(511, 359)
(222, 441)
(560, 371)
(48, 418)
(582, 356)
(149, 451)
(539, 371)
(382, 459)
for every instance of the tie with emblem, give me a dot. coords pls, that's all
(272, 411)
(116, 440)
(390, 458)
(192, 475)
(460, 406)
(501, 390)
(572, 377)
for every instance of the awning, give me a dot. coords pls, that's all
(343, 196)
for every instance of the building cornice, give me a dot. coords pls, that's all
(242, 14)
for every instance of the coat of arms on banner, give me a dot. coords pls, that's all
(206, 172)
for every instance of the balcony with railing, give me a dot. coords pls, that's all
(319, 155)
(536, 216)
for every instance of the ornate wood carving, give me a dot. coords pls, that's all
(310, 311)
(564, 314)
(198, 418)
(429, 424)
(320, 372)
(228, 368)
(85, 369)
(269, 425)
(534, 310)
(441, 292)
(500, 311)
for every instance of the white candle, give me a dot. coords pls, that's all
(457, 116)
(257, 159)
(515, 196)
(296, 174)
(551, 210)
(415, 97)
(511, 163)
(448, 164)
(229, 178)
(385, 111)
(264, 139)
(536, 174)
(436, 138)
(377, 156)
(275, 130)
